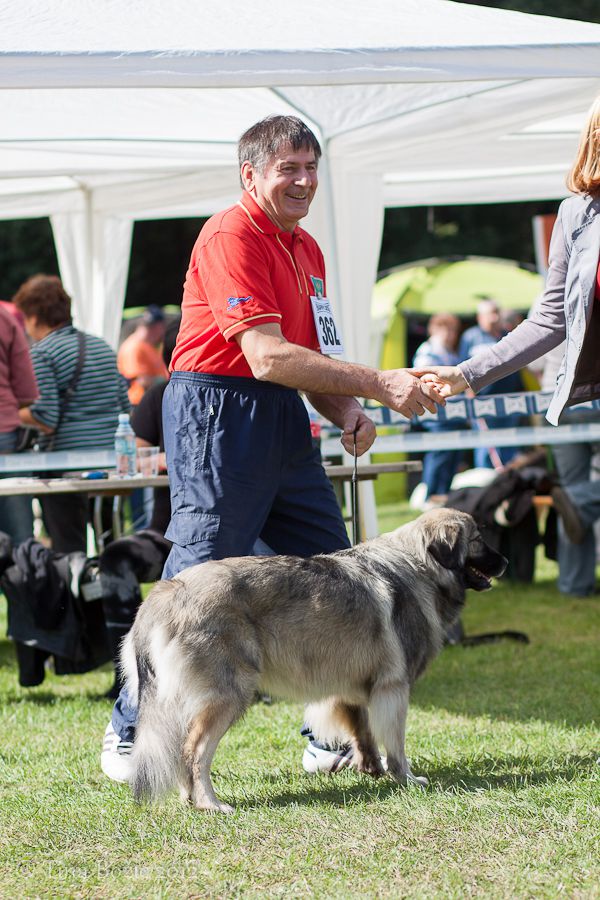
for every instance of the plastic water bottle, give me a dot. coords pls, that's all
(125, 449)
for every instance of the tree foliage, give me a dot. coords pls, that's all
(502, 229)
(160, 254)
(26, 248)
(586, 10)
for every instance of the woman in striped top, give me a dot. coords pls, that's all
(90, 419)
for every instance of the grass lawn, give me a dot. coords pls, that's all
(505, 733)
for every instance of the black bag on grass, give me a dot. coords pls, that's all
(54, 609)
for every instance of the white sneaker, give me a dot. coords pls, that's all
(319, 757)
(115, 758)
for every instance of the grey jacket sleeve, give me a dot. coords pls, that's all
(541, 332)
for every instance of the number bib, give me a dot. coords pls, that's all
(330, 340)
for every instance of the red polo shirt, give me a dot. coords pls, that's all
(245, 271)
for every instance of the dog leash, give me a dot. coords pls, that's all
(354, 500)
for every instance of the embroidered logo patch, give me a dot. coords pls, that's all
(318, 285)
(235, 301)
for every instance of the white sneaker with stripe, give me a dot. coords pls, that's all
(115, 759)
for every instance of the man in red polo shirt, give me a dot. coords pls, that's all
(257, 328)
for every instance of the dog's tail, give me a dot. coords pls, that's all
(162, 720)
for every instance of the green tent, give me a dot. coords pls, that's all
(438, 285)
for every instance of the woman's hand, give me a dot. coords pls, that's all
(447, 380)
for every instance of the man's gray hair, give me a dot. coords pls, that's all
(262, 141)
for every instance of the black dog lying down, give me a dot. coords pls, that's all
(348, 632)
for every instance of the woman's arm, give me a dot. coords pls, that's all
(534, 337)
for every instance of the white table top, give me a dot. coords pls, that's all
(57, 461)
(37, 487)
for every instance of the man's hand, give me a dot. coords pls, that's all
(445, 380)
(403, 392)
(355, 421)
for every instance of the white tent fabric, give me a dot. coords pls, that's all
(113, 112)
(117, 111)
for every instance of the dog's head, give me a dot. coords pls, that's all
(453, 539)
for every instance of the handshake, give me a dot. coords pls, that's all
(412, 391)
(446, 380)
(407, 391)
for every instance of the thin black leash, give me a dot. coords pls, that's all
(355, 516)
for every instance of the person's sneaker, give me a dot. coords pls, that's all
(115, 758)
(569, 514)
(320, 757)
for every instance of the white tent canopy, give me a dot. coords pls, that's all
(116, 111)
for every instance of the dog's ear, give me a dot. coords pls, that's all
(446, 552)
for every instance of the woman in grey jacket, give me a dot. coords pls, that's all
(569, 311)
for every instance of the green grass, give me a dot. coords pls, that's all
(505, 733)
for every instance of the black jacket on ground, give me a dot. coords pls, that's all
(47, 612)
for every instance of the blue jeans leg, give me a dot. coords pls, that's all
(481, 456)
(439, 466)
(124, 716)
(16, 516)
(576, 562)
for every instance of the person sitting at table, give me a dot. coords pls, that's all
(18, 390)
(81, 396)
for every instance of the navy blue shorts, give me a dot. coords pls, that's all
(241, 467)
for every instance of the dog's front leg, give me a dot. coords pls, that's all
(388, 708)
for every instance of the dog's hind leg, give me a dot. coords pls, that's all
(205, 732)
(354, 720)
(388, 708)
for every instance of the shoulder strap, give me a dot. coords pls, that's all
(70, 389)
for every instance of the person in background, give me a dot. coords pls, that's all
(10, 307)
(139, 358)
(86, 421)
(475, 340)
(140, 361)
(146, 421)
(440, 349)
(568, 313)
(509, 319)
(138, 558)
(18, 390)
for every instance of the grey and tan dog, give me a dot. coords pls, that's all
(347, 632)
